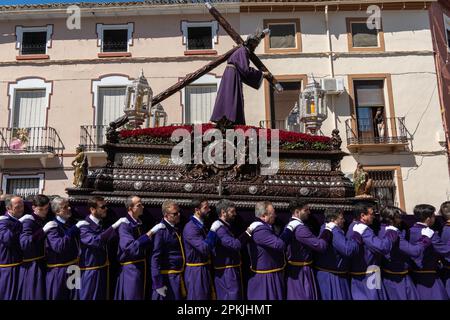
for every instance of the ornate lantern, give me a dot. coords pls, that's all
(313, 109)
(158, 117)
(138, 100)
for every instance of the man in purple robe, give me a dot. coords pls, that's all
(227, 253)
(445, 237)
(32, 241)
(333, 265)
(62, 252)
(266, 252)
(395, 271)
(197, 246)
(300, 281)
(94, 262)
(365, 270)
(428, 284)
(168, 259)
(230, 99)
(132, 253)
(10, 251)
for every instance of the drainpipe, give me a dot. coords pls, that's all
(330, 56)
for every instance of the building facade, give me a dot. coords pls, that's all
(62, 80)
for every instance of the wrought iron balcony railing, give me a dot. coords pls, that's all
(365, 131)
(92, 137)
(30, 140)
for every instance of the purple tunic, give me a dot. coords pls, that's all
(33, 268)
(197, 275)
(333, 265)
(62, 251)
(267, 260)
(300, 283)
(395, 265)
(133, 260)
(167, 264)
(365, 265)
(429, 285)
(10, 257)
(227, 265)
(230, 99)
(445, 237)
(94, 261)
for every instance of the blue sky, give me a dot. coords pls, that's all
(6, 2)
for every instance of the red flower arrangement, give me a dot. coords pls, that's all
(288, 139)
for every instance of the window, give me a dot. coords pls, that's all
(115, 39)
(282, 105)
(199, 99)
(29, 100)
(369, 96)
(23, 185)
(447, 30)
(33, 40)
(387, 185)
(199, 36)
(363, 38)
(284, 36)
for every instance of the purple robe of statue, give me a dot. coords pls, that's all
(395, 265)
(62, 251)
(333, 265)
(131, 283)
(429, 286)
(365, 265)
(445, 237)
(33, 268)
(94, 263)
(10, 257)
(230, 99)
(167, 263)
(300, 280)
(197, 274)
(228, 264)
(267, 259)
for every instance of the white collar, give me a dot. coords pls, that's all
(172, 225)
(198, 219)
(96, 221)
(298, 219)
(9, 214)
(423, 224)
(61, 219)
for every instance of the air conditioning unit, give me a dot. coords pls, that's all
(333, 85)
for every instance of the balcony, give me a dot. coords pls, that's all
(41, 143)
(364, 135)
(91, 139)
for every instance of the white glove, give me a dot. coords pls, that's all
(427, 232)
(4, 217)
(162, 291)
(360, 228)
(119, 222)
(391, 228)
(50, 225)
(216, 225)
(293, 224)
(253, 226)
(82, 223)
(26, 217)
(330, 226)
(157, 227)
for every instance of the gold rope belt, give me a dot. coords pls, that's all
(131, 262)
(33, 259)
(198, 264)
(106, 264)
(424, 271)
(330, 271)
(228, 266)
(10, 265)
(300, 263)
(363, 272)
(268, 271)
(57, 265)
(400, 273)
